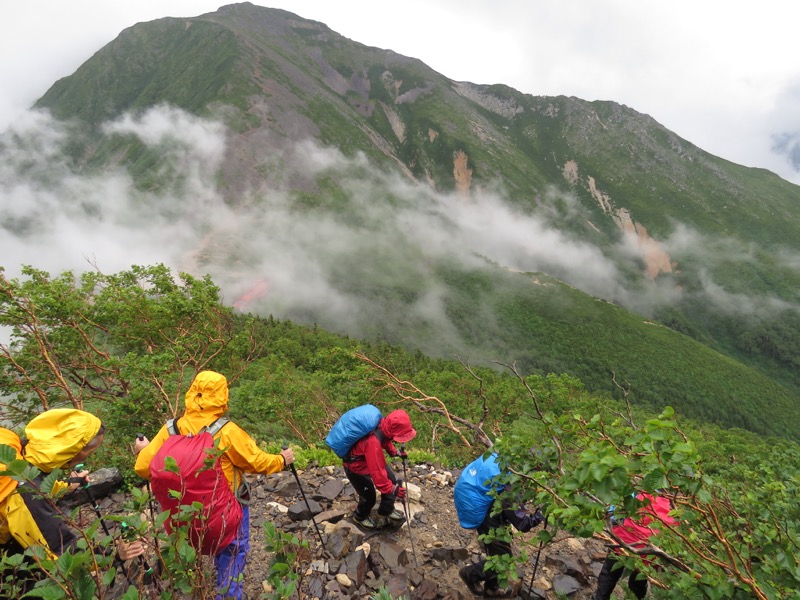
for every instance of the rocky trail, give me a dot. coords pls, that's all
(420, 563)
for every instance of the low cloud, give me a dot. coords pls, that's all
(788, 145)
(785, 123)
(326, 264)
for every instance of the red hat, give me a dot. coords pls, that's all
(397, 427)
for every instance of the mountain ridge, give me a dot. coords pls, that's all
(609, 180)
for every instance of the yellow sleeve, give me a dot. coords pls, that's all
(244, 453)
(22, 525)
(142, 466)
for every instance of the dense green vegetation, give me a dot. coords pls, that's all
(126, 346)
(188, 67)
(244, 55)
(745, 221)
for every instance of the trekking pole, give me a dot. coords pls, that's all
(405, 508)
(536, 564)
(93, 501)
(148, 570)
(308, 506)
(90, 495)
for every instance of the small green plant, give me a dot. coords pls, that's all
(288, 565)
(314, 455)
(418, 457)
(505, 565)
(383, 594)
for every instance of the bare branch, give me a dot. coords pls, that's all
(540, 414)
(407, 391)
(625, 390)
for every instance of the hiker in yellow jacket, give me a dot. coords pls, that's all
(206, 401)
(56, 439)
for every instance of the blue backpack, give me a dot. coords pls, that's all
(351, 427)
(471, 493)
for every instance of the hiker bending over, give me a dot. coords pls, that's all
(56, 439)
(634, 533)
(366, 468)
(474, 499)
(207, 401)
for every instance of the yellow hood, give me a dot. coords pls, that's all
(208, 395)
(56, 436)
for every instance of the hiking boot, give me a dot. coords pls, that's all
(366, 522)
(396, 515)
(466, 576)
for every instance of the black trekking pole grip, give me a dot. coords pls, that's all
(308, 506)
(92, 500)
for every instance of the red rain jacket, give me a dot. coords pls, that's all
(367, 453)
(636, 532)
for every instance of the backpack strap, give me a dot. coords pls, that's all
(240, 485)
(215, 427)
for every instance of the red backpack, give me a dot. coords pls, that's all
(196, 476)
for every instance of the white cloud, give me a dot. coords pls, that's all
(315, 265)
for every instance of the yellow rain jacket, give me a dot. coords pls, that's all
(7, 484)
(206, 401)
(9, 438)
(54, 438)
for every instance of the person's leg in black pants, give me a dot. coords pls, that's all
(477, 572)
(608, 578)
(366, 493)
(638, 586)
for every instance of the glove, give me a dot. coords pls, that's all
(402, 454)
(399, 491)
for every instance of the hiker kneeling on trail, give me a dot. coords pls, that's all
(60, 438)
(366, 468)
(224, 528)
(474, 499)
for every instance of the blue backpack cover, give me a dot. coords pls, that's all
(471, 493)
(351, 427)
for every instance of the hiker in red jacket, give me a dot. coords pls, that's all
(366, 468)
(634, 533)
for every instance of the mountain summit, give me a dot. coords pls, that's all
(361, 190)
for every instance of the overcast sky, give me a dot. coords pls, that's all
(722, 74)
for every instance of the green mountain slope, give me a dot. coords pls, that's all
(699, 244)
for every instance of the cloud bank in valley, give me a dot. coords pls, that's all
(393, 231)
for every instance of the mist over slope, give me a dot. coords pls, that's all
(323, 181)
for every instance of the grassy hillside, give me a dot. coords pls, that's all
(276, 79)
